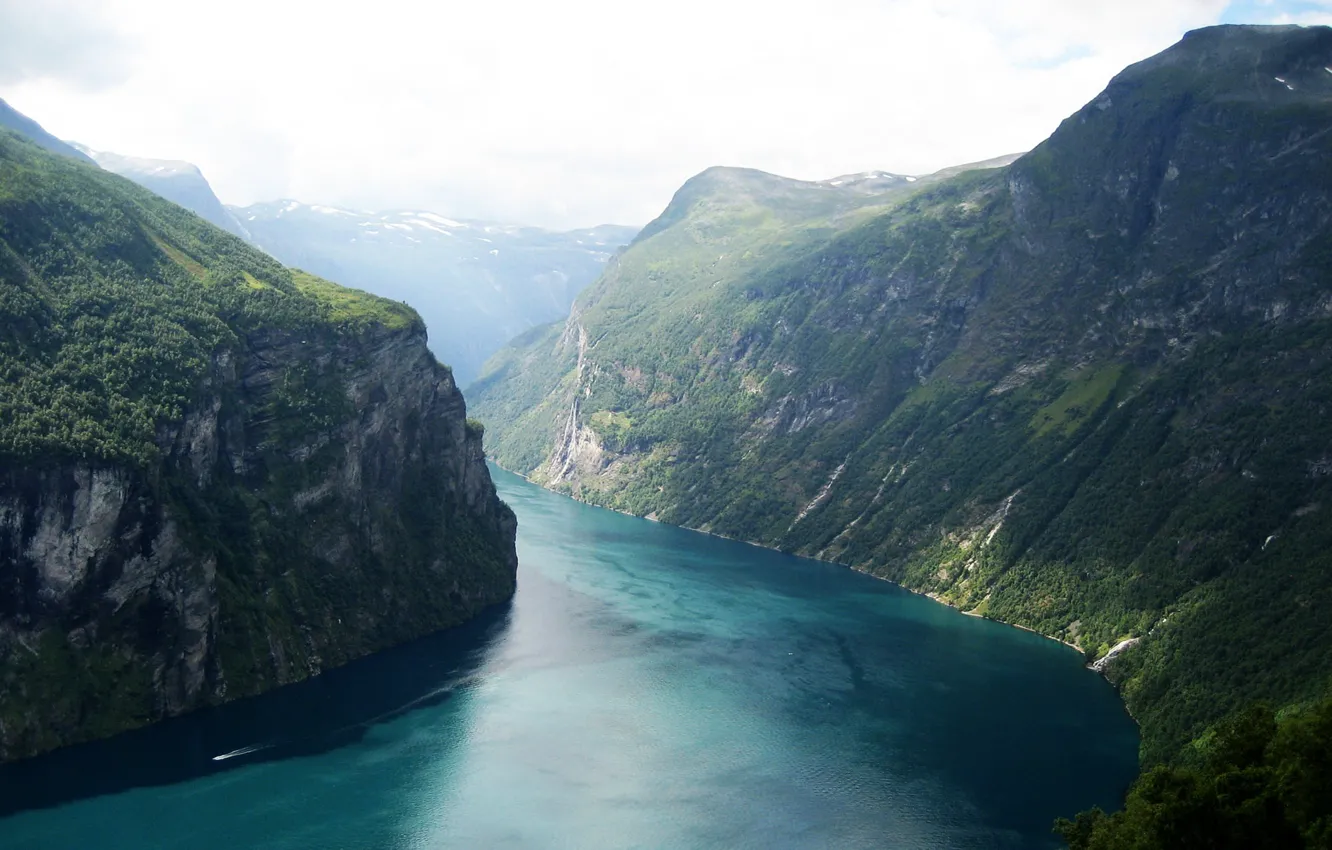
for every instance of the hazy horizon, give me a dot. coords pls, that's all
(572, 115)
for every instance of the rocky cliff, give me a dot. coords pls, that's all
(216, 476)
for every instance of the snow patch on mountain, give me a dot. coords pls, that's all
(438, 219)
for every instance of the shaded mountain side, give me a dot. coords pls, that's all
(217, 474)
(1086, 393)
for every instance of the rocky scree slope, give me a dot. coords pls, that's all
(217, 475)
(1087, 393)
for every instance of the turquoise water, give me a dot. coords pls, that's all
(647, 687)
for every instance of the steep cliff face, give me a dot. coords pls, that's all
(309, 490)
(267, 547)
(1085, 392)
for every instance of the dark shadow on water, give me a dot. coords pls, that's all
(307, 718)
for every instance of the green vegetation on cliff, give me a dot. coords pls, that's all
(1087, 393)
(217, 475)
(114, 302)
(1256, 782)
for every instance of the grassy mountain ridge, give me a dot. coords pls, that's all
(1085, 393)
(703, 257)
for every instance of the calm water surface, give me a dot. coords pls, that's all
(648, 687)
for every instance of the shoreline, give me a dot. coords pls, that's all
(936, 598)
(930, 596)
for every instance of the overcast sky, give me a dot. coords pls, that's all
(570, 113)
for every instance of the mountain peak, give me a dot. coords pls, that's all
(1205, 106)
(1235, 38)
(1239, 60)
(727, 190)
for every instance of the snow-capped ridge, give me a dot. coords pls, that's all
(867, 180)
(130, 166)
(438, 219)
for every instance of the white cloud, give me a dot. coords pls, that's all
(65, 39)
(588, 111)
(1305, 19)
(1301, 12)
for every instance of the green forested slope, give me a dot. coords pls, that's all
(113, 302)
(12, 119)
(1087, 393)
(1262, 783)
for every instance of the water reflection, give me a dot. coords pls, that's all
(303, 719)
(647, 687)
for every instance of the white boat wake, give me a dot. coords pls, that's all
(241, 752)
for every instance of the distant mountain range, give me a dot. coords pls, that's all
(477, 284)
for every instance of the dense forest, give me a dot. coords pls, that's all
(1257, 782)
